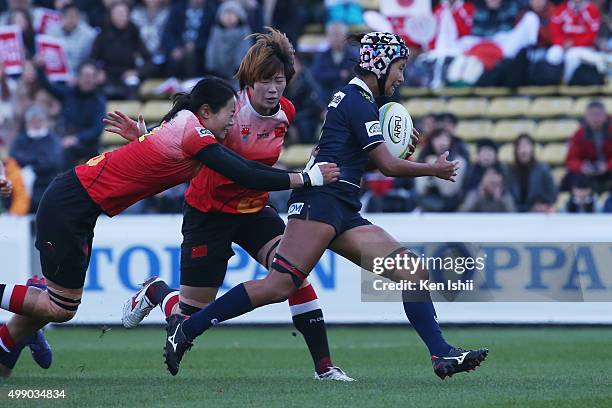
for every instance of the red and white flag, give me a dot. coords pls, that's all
(405, 8)
(48, 18)
(11, 49)
(52, 51)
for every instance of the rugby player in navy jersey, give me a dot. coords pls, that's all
(328, 216)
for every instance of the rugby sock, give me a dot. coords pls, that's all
(422, 316)
(7, 344)
(9, 360)
(169, 302)
(157, 292)
(12, 297)
(234, 303)
(308, 320)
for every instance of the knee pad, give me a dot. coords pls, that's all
(282, 265)
(61, 308)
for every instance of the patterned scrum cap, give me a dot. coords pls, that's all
(378, 50)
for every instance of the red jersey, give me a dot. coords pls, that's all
(254, 137)
(147, 166)
(578, 26)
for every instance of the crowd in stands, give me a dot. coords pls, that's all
(113, 46)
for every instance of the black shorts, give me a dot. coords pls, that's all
(342, 213)
(65, 224)
(208, 237)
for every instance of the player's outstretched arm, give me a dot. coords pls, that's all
(260, 177)
(6, 188)
(119, 123)
(391, 166)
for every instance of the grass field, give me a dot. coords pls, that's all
(269, 367)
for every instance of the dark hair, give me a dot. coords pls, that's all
(69, 6)
(486, 142)
(448, 117)
(582, 181)
(596, 104)
(211, 91)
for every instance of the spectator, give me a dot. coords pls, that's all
(83, 108)
(486, 157)
(151, 19)
(227, 44)
(387, 194)
(119, 50)
(454, 20)
(490, 196)
(434, 194)
(590, 149)
(76, 34)
(333, 68)
(582, 199)
(541, 205)
(8, 108)
(185, 38)
(607, 205)
(304, 92)
(458, 147)
(285, 15)
(38, 151)
(530, 179)
(35, 12)
(19, 201)
(349, 12)
(22, 18)
(574, 28)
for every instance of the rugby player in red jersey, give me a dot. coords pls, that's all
(219, 211)
(171, 154)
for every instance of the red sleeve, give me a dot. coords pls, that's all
(195, 139)
(574, 160)
(592, 23)
(288, 108)
(555, 24)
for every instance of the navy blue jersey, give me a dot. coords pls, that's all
(350, 131)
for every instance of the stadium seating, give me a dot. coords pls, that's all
(581, 104)
(508, 130)
(508, 107)
(554, 153)
(130, 108)
(545, 107)
(296, 156)
(555, 130)
(467, 107)
(471, 130)
(153, 111)
(419, 107)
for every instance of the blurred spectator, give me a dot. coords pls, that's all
(304, 92)
(590, 149)
(458, 147)
(544, 10)
(227, 44)
(121, 53)
(574, 28)
(454, 20)
(490, 196)
(285, 15)
(541, 72)
(76, 34)
(582, 199)
(333, 68)
(35, 12)
(22, 18)
(349, 12)
(83, 108)
(434, 194)
(19, 201)
(8, 108)
(529, 178)
(541, 205)
(387, 194)
(167, 202)
(151, 19)
(186, 35)
(486, 157)
(39, 153)
(254, 14)
(607, 205)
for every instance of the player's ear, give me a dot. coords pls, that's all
(205, 111)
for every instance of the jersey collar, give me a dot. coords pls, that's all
(361, 84)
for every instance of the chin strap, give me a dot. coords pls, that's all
(381, 84)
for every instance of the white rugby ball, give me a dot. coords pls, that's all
(396, 125)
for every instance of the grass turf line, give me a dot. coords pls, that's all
(269, 367)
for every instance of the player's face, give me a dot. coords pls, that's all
(395, 77)
(219, 122)
(266, 93)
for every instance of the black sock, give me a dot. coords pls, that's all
(158, 291)
(312, 327)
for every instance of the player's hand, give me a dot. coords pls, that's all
(6, 188)
(323, 173)
(120, 124)
(445, 169)
(414, 141)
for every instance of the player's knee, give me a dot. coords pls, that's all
(57, 314)
(60, 308)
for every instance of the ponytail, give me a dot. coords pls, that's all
(211, 91)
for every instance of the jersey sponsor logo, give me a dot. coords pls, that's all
(245, 130)
(373, 128)
(295, 208)
(262, 135)
(338, 96)
(203, 132)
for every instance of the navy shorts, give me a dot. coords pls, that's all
(208, 238)
(341, 212)
(65, 224)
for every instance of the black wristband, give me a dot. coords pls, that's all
(306, 179)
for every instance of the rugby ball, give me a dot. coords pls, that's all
(396, 125)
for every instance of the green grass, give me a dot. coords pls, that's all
(269, 367)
